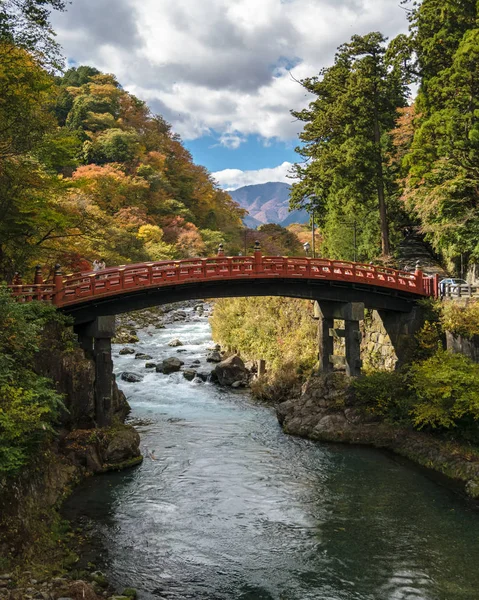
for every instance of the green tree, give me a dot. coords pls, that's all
(28, 403)
(441, 188)
(26, 24)
(346, 141)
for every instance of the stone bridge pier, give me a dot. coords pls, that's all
(399, 326)
(94, 338)
(351, 313)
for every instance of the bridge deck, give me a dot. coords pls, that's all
(69, 291)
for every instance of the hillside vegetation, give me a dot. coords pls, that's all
(87, 171)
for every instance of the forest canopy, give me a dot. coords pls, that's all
(378, 161)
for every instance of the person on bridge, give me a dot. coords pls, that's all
(98, 265)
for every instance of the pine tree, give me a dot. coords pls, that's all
(346, 177)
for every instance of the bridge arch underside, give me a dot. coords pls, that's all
(373, 297)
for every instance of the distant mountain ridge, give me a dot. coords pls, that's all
(268, 203)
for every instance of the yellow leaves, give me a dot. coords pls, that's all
(279, 330)
(461, 319)
(150, 233)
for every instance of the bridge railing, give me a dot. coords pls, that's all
(72, 289)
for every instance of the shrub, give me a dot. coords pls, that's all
(447, 390)
(384, 394)
(282, 385)
(28, 403)
(461, 319)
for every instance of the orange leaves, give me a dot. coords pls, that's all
(110, 187)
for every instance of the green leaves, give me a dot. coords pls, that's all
(346, 141)
(447, 388)
(28, 403)
(443, 174)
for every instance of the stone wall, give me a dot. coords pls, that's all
(377, 350)
(457, 344)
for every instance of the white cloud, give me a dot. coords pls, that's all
(216, 64)
(231, 140)
(232, 179)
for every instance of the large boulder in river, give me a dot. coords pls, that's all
(231, 370)
(131, 377)
(175, 343)
(214, 356)
(141, 356)
(169, 365)
(126, 350)
(189, 374)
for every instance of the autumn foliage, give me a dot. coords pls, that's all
(88, 172)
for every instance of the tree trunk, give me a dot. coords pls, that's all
(383, 218)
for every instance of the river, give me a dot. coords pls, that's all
(228, 507)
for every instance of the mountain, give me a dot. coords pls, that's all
(268, 203)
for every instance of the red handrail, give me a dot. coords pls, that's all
(76, 288)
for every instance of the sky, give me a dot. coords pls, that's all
(224, 73)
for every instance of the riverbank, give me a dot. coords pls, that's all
(36, 546)
(325, 411)
(39, 550)
(40, 554)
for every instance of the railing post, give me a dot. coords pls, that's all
(17, 278)
(258, 257)
(419, 278)
(38, 280)
(436, 291)
(58, 285)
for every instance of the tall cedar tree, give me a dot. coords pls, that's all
(442, 165)
(346, 140)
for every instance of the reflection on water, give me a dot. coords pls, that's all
(234, 509)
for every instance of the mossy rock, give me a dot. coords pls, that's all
(130, 593)
(472, 488)
(99, 578)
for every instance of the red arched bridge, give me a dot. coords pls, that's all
(114, 290)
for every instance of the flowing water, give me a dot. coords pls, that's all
(225, 506)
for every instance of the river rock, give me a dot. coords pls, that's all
(231, 370)
(124, 351)
(141, 356)
(124, 337)
(169, 365)
(195, 362)
(150, 365)
(179, 315)
(123, 446)
(214, 356)
(131, 377)
(189, 374)
(174, 343)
